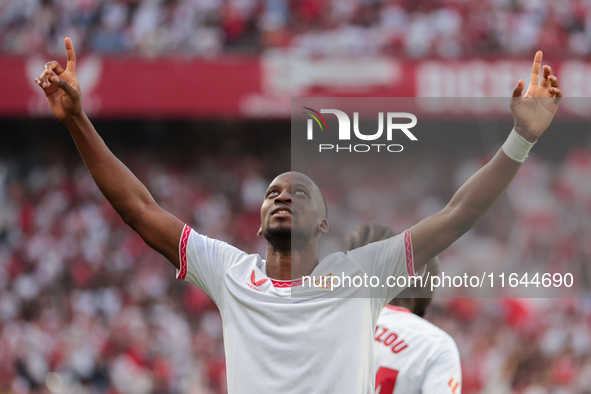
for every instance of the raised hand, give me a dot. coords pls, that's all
(534, 112)
(61, 86)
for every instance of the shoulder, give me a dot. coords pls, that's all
(423, 328)
(443, 341)
(198, 240)
(397, 240)
(208, 255)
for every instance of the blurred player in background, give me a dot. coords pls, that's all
(273, 342)
(412, 356)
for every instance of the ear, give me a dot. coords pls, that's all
(260, 232)
(323, 226)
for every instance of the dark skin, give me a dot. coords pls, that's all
(162, 230)
(292, 203)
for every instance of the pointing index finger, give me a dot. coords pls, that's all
(71, 55)
(536, 68)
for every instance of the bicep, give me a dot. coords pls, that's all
(434, 234)
(160, 230)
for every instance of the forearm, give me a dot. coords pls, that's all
(467, 207)
(157, 227)
(532, 115)
(477, 196)
(128, 196)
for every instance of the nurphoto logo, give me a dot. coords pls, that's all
(344, 132)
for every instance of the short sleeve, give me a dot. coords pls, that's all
(391, 261)
(444, 375)
(203, 261)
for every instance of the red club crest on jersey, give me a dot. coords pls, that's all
(254, 284)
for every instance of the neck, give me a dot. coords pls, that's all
(291, 264)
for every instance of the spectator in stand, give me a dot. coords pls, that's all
(84, 304)
(431, 28)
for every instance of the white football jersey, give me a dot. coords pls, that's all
(413, 356)
(276, 342)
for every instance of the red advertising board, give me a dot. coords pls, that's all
(238, 87)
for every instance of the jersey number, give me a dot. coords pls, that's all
(386, 380)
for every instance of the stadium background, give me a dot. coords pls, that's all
(194, 96)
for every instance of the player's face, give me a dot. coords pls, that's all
(292, 203)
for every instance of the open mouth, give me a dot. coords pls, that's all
(281, 212)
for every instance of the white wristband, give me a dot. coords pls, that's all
(517, 147)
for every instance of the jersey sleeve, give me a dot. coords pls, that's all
(444, 376)
(391, 261)
(203, 261)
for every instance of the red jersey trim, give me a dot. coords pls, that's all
(182, 272)
(286, 283)
(398, 309)
(410, 266)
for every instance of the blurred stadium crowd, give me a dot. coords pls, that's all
(431, 28)
(81, 295)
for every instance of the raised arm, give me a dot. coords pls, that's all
(130, 198)
(533, 114)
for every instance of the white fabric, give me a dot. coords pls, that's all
(517, 147)
(276, 343)
(425, 357)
